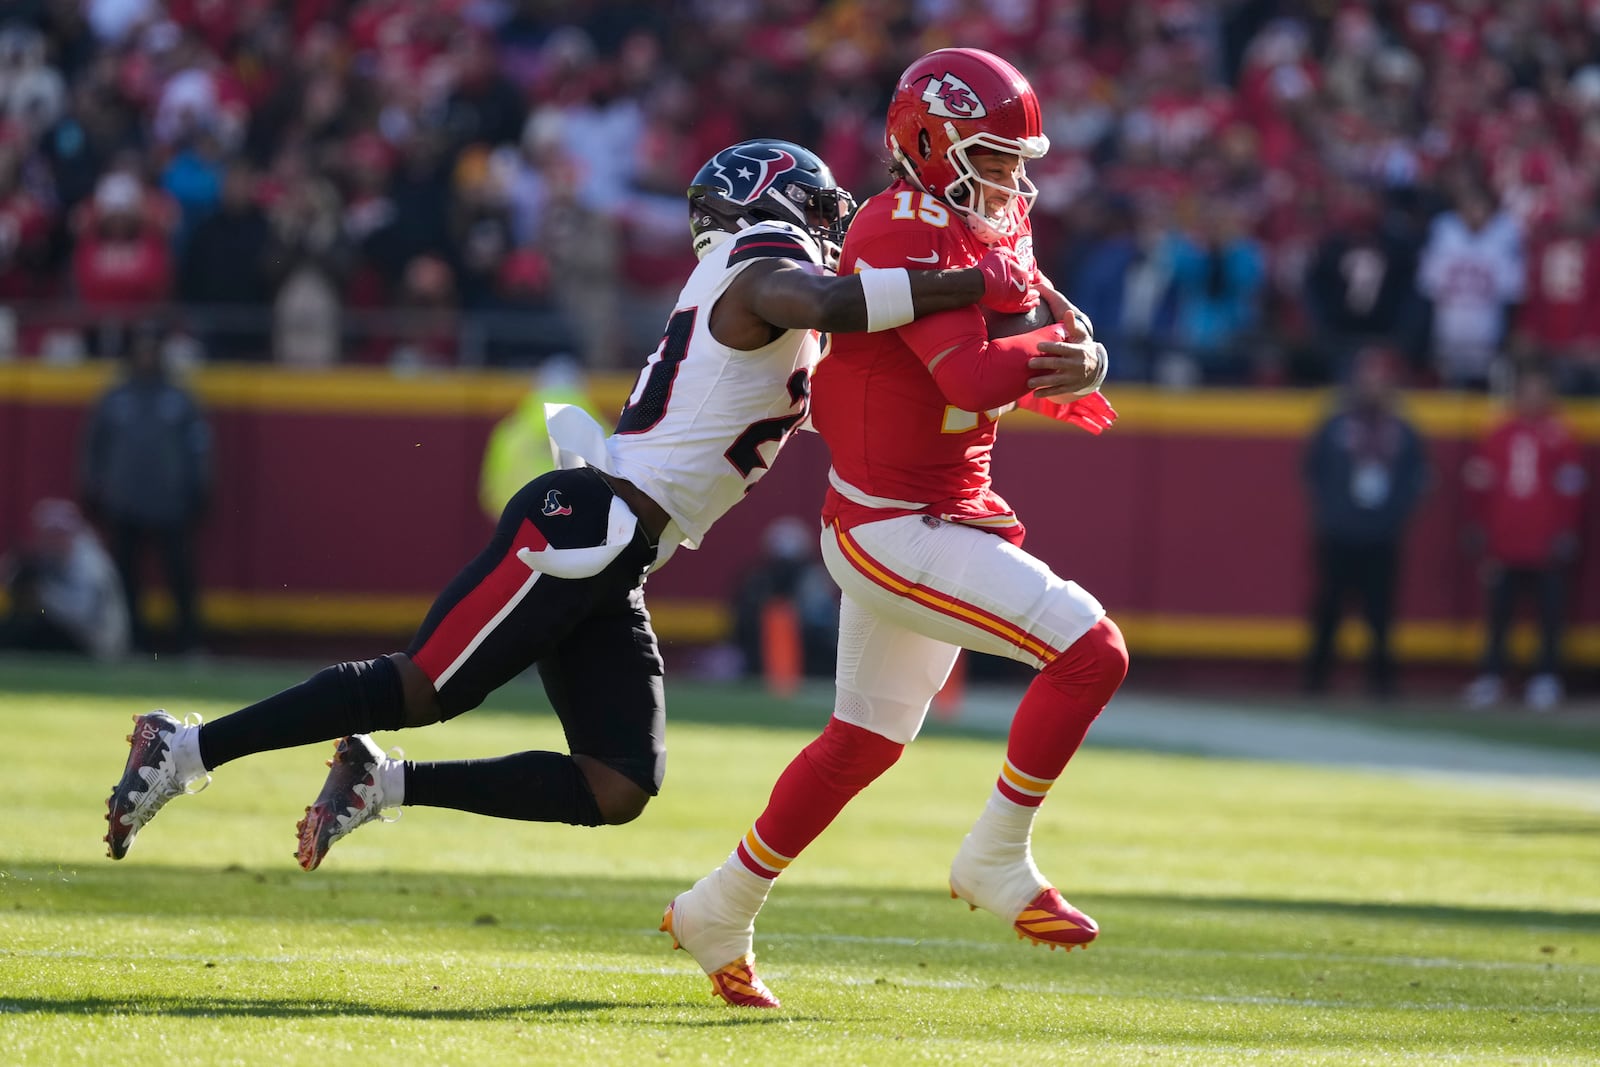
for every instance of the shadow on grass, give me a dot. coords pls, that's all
(1531, 826)
(209, 1007)
(535, 905)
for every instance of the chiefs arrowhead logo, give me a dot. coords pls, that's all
(747, 172)
(951, 98)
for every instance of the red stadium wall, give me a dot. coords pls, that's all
(345, 500)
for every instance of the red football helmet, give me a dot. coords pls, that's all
(955, 100)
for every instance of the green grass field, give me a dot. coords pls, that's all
(1251, 911)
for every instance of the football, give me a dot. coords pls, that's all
(1009, 324)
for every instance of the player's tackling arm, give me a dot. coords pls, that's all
(786, 294)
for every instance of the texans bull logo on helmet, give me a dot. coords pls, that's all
(951, 98)
(747, 170)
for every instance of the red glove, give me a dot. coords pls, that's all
(1092, 413)
(1005, 282)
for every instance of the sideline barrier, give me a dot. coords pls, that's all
(346, 499)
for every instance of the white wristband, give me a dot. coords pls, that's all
(888, 296)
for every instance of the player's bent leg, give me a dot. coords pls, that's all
(163, 763)
(971, 588)
(592, 642)
(994, 869)
(714, 921)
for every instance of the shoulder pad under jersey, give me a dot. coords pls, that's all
(774, 240)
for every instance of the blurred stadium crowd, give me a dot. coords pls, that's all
(1241, 191)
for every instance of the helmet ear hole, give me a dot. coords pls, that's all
(924, 144)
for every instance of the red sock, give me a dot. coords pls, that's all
(812, 791)
(1057, 710)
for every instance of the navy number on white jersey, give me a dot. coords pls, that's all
(640, 415)
(745, 452)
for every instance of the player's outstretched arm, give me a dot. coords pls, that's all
(796, 296)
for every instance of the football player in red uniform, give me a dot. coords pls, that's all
(560, 584)
(927, 554)
(1526, 483)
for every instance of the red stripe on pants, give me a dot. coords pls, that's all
(464, 622)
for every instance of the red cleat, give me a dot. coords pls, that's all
(1050, 920)
(738, 985)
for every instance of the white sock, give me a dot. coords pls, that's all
(740, 892)
(994, 868)
(718, 920)
(392, 781)
(186, 761)
(1004, 825)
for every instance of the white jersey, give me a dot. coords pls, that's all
(704, 421)
(1471, 277)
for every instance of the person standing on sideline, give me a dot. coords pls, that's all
(65, 593)
(1526, 484)
(928, 556)
(519, 448)
(146, 473)
(560, 583)
(1365, 471)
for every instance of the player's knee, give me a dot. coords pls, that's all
(622, 805)
(849, 757)
(420, 699)
(618, 798)
(1109, 650)
(1095, 664)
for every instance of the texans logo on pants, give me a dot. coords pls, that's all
(553, 504)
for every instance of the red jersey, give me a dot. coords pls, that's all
(24, 235)
(122, 274)
(910, 414)
(1526, 483)
(1563, 291)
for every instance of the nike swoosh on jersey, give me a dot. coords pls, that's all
(931, 257)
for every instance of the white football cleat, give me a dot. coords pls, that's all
(351, 796)
(163, 762)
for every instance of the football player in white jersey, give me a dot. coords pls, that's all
(560, 584)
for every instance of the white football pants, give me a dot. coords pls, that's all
(917, 590)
